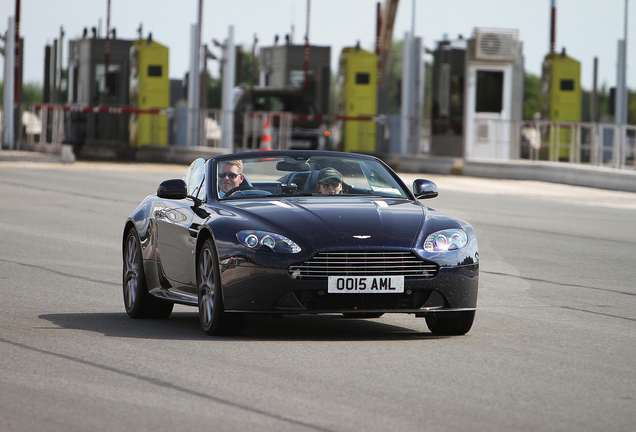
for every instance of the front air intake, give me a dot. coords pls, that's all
(357, 263)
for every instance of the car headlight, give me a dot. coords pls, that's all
(256, 239)
(445, 240)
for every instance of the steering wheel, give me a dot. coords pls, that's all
(238, 188)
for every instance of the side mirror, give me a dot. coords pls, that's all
(424, 189)
(173, 189)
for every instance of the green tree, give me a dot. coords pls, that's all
(246, 73)
(394, 78)
(531, 96)
(31, 93)
(214, 92)
(631, 107)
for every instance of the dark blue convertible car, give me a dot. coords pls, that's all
(298, 232)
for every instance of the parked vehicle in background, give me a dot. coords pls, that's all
(306, 134)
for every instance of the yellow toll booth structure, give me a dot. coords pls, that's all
(358, 81)
(561, 99)
(149, 89)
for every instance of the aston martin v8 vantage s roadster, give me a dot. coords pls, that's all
(298, 232)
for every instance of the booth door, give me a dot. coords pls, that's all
(489, 112)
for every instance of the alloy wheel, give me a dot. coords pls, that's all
(206, 288)
(131, 281)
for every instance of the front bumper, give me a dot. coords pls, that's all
(255, 289)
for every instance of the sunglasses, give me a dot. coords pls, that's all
(228, 175)
(334, 183)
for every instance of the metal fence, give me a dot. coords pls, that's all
(209, 121)
(122, 127)
(600, 144)
(265, 130)
(48, 126)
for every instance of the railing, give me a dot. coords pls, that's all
(131, 128)
(51, 125)
(600, 144)
(260, 126)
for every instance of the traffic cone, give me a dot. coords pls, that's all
(266, 137)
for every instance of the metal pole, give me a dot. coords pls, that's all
(625, 97)
(595, 92)
(107, 49)
(194, 80)
(229, 74)
(8, 137)
(621, 78)
(406, 89)
(60, 68)
(552, 25)
(17, 82)
(378, 27)
(193, 91)
(306, 85)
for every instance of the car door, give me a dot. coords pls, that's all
(178, 223)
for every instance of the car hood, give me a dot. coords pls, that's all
(347, 222)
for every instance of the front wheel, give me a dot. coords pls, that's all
(214, 320)
(137, 301)
(450, 323)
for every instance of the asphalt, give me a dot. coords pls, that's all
(598, 177)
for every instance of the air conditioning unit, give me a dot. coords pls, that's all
(496, 44)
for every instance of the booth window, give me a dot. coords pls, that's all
(155, 70)
(489, 91)
(108, 85)
(567, 85)
(362, 78)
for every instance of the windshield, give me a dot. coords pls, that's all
(268, 175)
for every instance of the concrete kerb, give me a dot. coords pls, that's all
(552, 172)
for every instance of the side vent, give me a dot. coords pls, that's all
(496, 44)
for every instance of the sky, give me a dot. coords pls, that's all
(586, 28)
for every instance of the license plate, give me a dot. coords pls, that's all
(365, 284)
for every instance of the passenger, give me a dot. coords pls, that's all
(329, 182)
(230, 176)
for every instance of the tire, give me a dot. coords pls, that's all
(214, 320)
(450, 323)
(362, 314)
(137, 301)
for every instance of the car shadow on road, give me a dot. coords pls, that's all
(185, 326)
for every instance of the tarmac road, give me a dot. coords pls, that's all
(553, 347)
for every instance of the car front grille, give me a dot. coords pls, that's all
(363, 263)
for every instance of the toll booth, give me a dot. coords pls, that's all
(149, 89)
(283, 66)
(561, 95)
(358, 82)
(447, 96)
(90, 84)
(494, 80)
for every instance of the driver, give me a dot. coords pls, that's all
(230, 175)
(329, 181)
